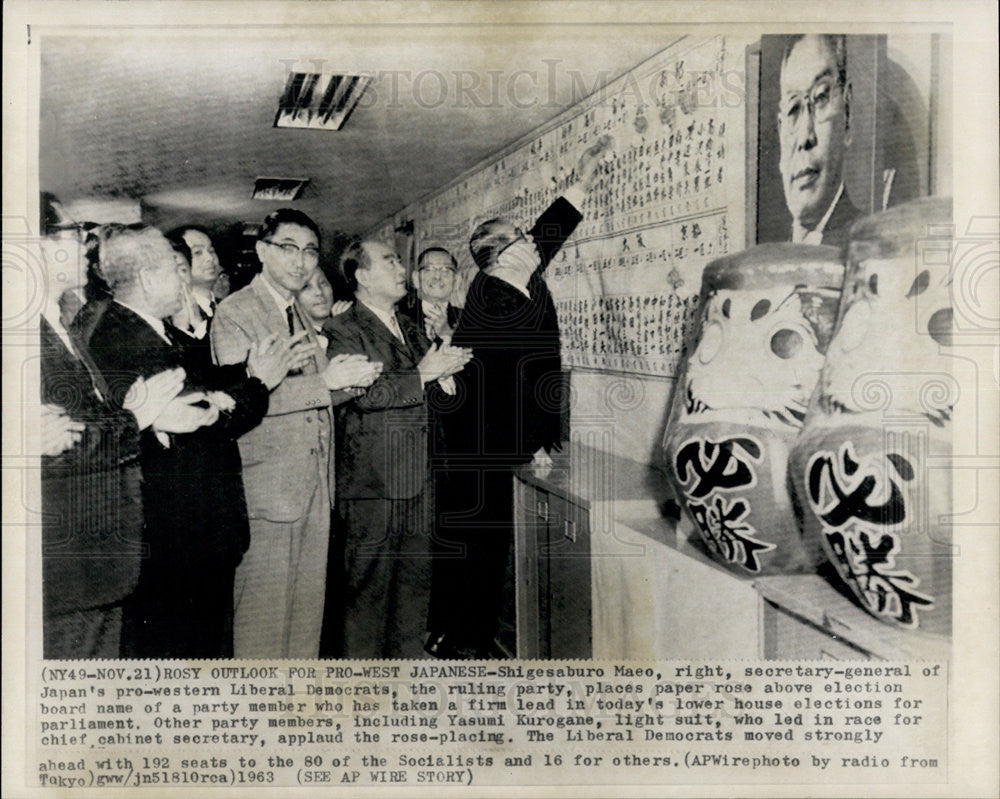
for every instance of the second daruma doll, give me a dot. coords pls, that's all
(871, 469)
(767, 316)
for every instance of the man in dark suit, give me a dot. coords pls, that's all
(509, 413)
(382, 464)
(91, 502)
(195, 529)
(814, 129)
(430, 306)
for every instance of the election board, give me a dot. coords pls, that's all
(668, 199)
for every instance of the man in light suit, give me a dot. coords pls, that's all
(280, 584)
(382, 466)
(814, 129)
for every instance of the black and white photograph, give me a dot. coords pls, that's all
(523, 396)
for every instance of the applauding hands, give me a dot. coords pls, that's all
(443, 360)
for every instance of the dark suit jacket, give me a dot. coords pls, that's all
(511, 391)
(838, 226)
(91, 503)
(382, 434)
(193, 490)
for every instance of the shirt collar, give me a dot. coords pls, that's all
(281, 301)
(204, 303)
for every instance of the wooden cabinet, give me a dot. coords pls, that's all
(552, 546)
(601, 572)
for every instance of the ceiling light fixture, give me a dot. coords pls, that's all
(283, 189)
(319, 102)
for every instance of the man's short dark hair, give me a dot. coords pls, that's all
(353, 258)
(837, 42)
(431, 250)
(286, 216)
(179, 231)
(176, 239)
(487, 240)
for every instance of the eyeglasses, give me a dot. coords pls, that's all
(817, 102)
(436, 270)
(309, 254)
(519, 235)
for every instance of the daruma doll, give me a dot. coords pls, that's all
(871, 468)
(767, 315)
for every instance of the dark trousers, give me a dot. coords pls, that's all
(178, 613)
(473, 536)
(387, 569)
(78, 634)
(331, 641)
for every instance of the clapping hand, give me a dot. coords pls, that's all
(185, 414)
(340, 306)
(443, 360)
(148, 397)
(437, 317)
(270, 359)
(221, 400)
(350, 371)
(58, 431)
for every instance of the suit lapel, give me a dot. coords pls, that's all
(276, 321)
(367, 320)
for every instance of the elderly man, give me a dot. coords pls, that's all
(92, 522)
(814, 129)
(382, 468)
(509, 413)
(287, 459)
(195, 529)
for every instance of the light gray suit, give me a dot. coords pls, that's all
(287, 469)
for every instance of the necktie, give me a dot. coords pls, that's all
(290, 316)
(295, 326)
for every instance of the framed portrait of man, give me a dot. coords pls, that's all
(846, 125)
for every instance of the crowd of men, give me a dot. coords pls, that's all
(275, 474)
(269, 473)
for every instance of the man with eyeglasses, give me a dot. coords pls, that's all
(814, 129)
(508, 413)
(430, 307)
(287, 458)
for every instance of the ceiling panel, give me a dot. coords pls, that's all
(183, 120)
